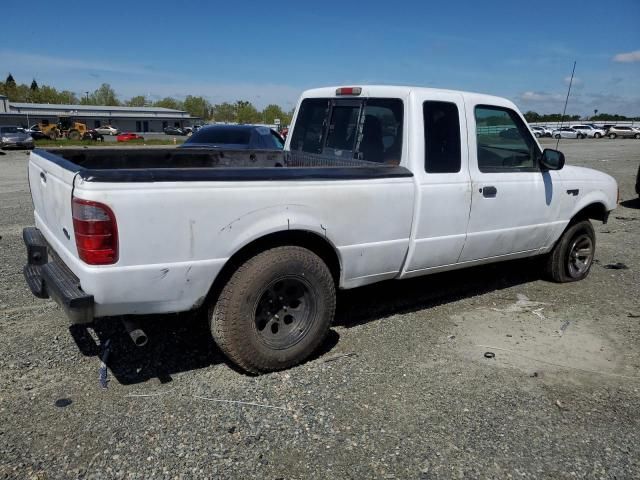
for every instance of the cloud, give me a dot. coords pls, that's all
(540, 97)
(577, 82)
(629, 57)
(579, 103)
(128, 80)
(20, 60)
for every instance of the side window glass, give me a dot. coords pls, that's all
(381, 138)
(441, 137)
(276, 141)
(504, 142)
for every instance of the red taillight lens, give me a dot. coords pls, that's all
(96, 232)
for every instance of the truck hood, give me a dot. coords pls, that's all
(571, 172)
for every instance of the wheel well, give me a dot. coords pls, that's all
(301, 238)
(595, 211)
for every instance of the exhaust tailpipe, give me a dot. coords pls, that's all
(138, 337)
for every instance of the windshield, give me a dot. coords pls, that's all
(9, 129)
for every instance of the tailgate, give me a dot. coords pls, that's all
(51, 182)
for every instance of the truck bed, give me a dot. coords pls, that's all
(175, 164)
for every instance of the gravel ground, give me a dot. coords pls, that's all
(401, 389)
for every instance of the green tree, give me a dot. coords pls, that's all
(271, 112)
(169, 102)
(247, 113)
(10, 89)
(224, 112)
(197, 107)
(34, 86)
(104, 95)
(532, 116)
(137, 101)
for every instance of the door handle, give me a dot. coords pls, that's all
(489, 192)
(43, 177)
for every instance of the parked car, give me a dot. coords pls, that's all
(15, 137)
(589, 131)
(568, 132)
(622, 132)
(107, 130)
(638, 181)
(235, 137)
(37, 135)
(128, 136)
(538, 131)
(174, 131)
(364, 192)
(93, 135)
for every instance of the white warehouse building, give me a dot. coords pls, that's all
(131, 119)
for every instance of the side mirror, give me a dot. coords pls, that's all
(552, 159)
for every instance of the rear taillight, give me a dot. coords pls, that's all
(96, 232)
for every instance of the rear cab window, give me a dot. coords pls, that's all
(354, 129)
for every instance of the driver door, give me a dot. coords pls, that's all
(513, 201)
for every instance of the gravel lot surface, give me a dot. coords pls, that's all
(401, 389)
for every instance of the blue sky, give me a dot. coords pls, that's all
(268, 52)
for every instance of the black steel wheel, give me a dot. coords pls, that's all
(275, 310)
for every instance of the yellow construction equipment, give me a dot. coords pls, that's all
(65, 128)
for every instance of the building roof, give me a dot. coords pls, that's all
(93, 108)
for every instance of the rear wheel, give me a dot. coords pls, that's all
(275, 310)
(637, 136)
(74, 135)
(557, 135)
(572, 257)
(537, 135)
(596, 135)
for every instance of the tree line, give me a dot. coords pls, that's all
(534, 117)
(240, 111)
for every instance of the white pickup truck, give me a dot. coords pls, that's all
(375, 183)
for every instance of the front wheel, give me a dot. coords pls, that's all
(557, 135)
(275, 310)
(612, 136)
(597, 135)
(637, 136)
(572, 256)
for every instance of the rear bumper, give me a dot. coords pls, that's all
(47, 276)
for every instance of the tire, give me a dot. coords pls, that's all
(53, 135)
(74, 135)
(612, 136)
(637, 136)
(596, 135)
(537, 135)
(557, 135)
(572, 256)
(292, 280)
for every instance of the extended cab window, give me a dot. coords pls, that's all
(355, 128)
(504, 142)
(441, 137)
